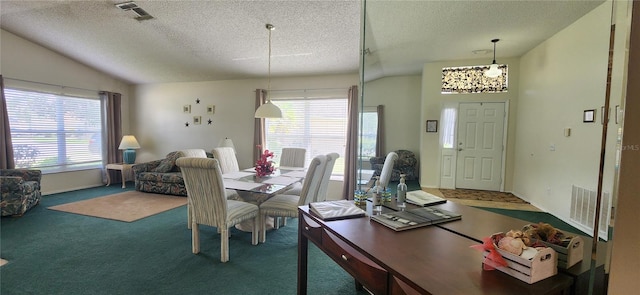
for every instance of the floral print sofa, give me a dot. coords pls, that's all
(163, 176)
(20, 189)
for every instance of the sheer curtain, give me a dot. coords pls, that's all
(351, 150)
(258, 129)
(113, 128)
(6, 150)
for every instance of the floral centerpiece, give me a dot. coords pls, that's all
(264, 165)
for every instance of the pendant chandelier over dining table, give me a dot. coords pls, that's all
(268, 109)
(493, 71)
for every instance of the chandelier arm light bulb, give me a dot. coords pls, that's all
(268, 109)
(493, 70)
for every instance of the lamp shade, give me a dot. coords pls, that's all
(268, 110)
(493, 71)
(227, 142)
(129, 144)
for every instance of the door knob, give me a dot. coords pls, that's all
(459, 149)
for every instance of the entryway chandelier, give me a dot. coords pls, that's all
(493, 70)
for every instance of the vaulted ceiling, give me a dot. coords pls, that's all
(222, 40)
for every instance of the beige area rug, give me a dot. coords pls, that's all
(128, 206)
(478, 195)
(483, 199)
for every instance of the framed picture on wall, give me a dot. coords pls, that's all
(197, 120)
(186, 108)
(589, 116)
(211, 109)
(432, 125)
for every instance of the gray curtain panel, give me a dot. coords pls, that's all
(381, 134)
(6, 150)
(258, 129)
(113, 104)
(351, 150)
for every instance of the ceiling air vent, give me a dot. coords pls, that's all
(140, 14)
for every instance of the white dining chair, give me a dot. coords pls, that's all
(326, 176)
(322, 188)
(208, 204)
(226, 156)
(292, 157)
(285, 205)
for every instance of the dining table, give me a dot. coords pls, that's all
(256, 190)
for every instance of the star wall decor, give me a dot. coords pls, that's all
(209, 122)
(186, 124)
(197, 101)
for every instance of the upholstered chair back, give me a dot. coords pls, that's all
(207, 198)
(193, 153)
(208, 204)
(323, 187)
(387, 169)
(312, 180)
(226, 156)
(292, 157)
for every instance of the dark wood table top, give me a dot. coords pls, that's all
(433, 259)
(477, 224)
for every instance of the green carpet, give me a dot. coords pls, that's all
(51, 252)
(535, 217)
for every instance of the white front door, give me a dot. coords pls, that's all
(480, 145)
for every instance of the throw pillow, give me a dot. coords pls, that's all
(167, 164)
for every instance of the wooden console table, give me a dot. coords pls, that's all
(428, 260)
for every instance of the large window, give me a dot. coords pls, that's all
(369, 133)
(316, 124)
(54, 132)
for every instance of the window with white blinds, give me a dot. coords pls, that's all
(368, 133)
(54, 132)
(317, 124)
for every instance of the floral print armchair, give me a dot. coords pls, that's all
(20, 190)
(405, 164)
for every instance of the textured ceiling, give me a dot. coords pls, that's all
(220, 40)
(430, 31)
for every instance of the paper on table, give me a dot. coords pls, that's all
(296, 174)
(422, 198)
(334, 210)
(241, 185)
(236, 175)
(281, 180)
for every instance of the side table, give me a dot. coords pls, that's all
(125, 169)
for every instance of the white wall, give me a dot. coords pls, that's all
(559, 79)
(159, 123)
(433, 100)
(400, 96)
(24, 60)
(153, 112)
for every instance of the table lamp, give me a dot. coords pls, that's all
(227, 142)
(129, 144)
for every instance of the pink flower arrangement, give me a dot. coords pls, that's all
(264, 165)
